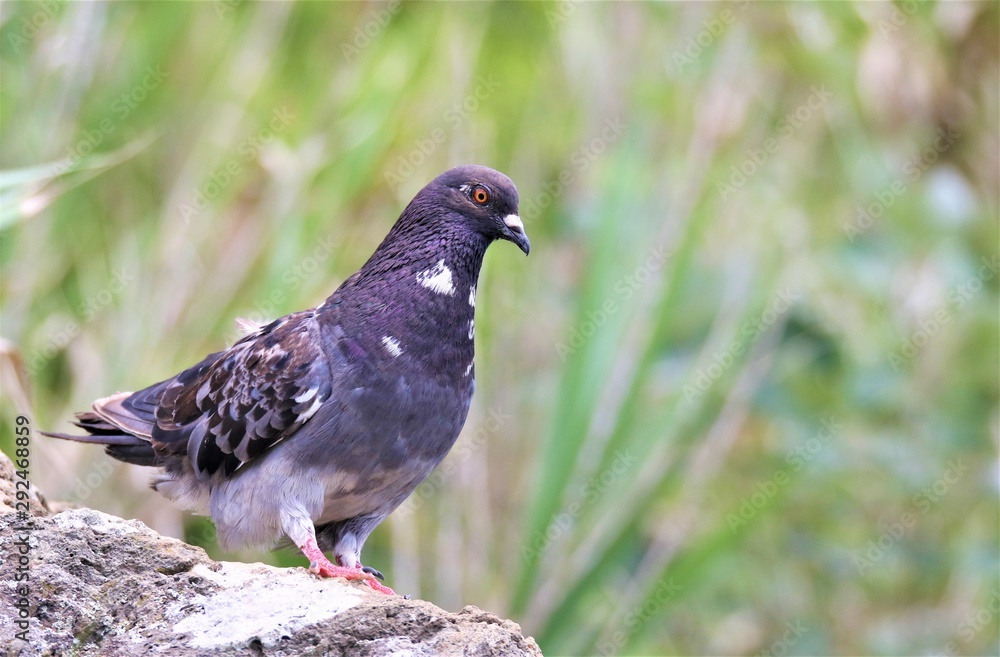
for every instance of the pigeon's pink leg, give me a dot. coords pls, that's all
(320, 565)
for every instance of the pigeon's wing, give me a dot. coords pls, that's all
(234, 405)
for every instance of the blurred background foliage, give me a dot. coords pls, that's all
(741, 399)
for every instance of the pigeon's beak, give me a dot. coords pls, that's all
(515, 232)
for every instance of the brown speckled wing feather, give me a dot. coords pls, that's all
(234, 405)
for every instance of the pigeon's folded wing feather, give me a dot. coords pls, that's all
(234, 405)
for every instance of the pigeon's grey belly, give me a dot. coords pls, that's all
(348, 496)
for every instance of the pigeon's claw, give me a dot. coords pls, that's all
(374, 583)
(372, 571)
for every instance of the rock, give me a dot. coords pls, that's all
(101, 585)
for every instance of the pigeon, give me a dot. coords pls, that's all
(312, 428)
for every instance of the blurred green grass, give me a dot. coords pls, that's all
(776, 241)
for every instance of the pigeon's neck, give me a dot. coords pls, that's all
(403, 256)
(416, 299)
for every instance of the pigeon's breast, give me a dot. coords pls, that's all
(373, 443)
(382, 444)
(400, 418)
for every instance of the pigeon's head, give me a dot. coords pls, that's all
(485, 199)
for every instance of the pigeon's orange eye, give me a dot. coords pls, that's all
(480, 195)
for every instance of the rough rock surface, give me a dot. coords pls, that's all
(100, 585)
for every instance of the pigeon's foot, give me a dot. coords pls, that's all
(320, 565)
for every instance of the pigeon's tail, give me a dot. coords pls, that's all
(118, 444)
(104, 427)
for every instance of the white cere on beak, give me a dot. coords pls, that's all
(514, 222)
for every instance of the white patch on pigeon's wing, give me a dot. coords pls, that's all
(472, 328)
(468, 369)
(309, 412)
(392, 345)
(437, 279)
(306, 396)
(472, 296)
